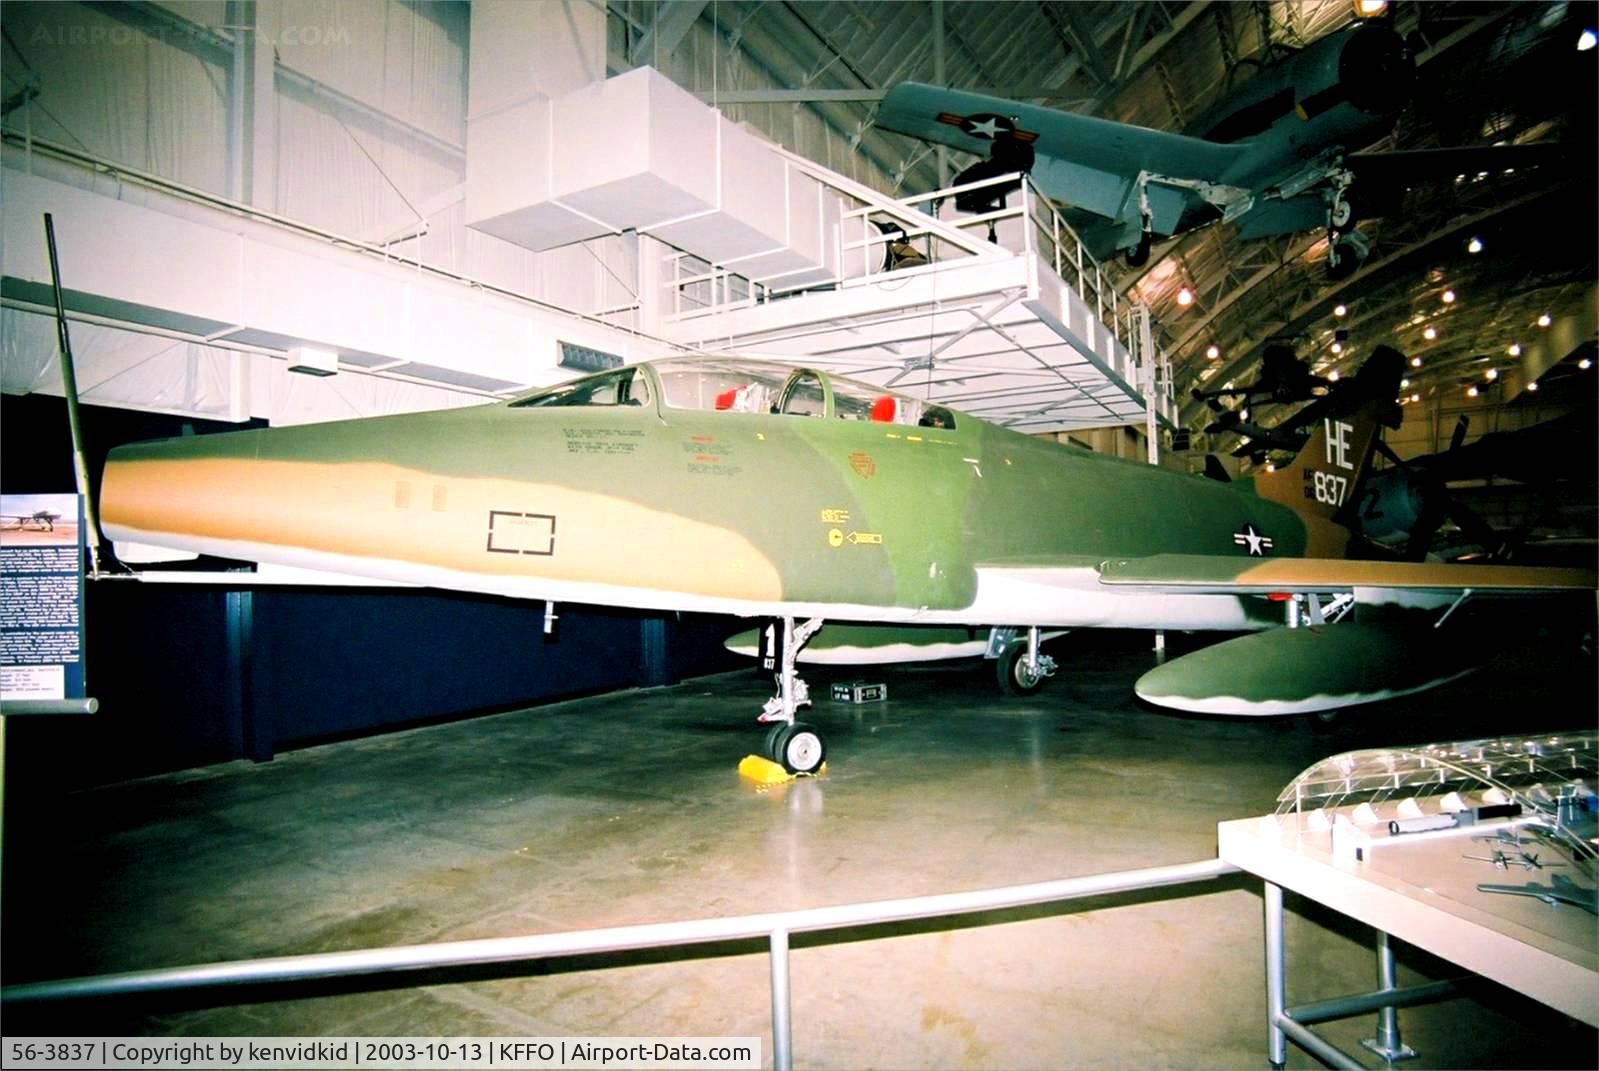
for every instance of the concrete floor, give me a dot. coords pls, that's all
(627, 808)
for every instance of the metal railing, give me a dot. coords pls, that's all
(775, 927)
(859, 255)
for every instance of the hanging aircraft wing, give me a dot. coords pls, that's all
(1381, 180)
(1086, 162)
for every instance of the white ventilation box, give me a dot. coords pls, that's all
(637, 152)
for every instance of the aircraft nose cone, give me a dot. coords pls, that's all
(1376, 70)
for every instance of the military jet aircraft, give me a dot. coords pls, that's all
(741, 486)
(1278, 154)
(40, 520)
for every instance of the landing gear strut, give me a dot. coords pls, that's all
(794, 744)
(1346, 247)
(1138, 255)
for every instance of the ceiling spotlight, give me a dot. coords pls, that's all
(1415, 397)
(1492, 373)
(1586, 40)
(1533, 385)
(1515, 349)
(1449, 297)
(1475, 245)
(1471, 392)
(1340, 310)
(1243, 414)
(1415, 362)
(1544, 320)
(1212, 352)
(1337, 347)
(1430, 333)
(1585, 364)
(1185, 297)
(1271, 466)
(1370, 9)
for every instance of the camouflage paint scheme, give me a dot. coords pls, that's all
(829, 513)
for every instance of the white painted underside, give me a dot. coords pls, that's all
(1013, 596)
(1238, 706)
(847, 655)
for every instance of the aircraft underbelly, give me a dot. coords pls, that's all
(1075, 598)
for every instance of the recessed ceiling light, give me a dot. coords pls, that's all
(1340, 310)
(1332, 377)
(1585, 364)
(1185, 297)
(1586, 40)
(1533, 385)
(1544, 320)
(1492, 373)
(1475, 245)
(1403, 383)
(1471, 392)
(1415, 397)
(1415, 362)
(1338, 347)
(1514, 350)
(1449, 297)
(1430, 333)
(1213, 352)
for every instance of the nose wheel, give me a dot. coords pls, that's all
(798, 748)
(795, 745)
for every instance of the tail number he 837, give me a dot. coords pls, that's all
(1329, 488)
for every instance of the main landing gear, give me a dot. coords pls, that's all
(795, 745)
(1020, 668)
(1347, 248)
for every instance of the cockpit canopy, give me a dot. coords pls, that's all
(742, 385)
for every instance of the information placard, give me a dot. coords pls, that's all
(41, 597)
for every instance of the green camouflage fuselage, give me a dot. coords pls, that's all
(670, 508)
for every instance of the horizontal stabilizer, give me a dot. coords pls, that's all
(1302, 670)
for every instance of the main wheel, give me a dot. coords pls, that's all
(800, 748)
(1012, 673)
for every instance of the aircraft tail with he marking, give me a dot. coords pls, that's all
(1322, 483)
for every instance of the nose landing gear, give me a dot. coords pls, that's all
(795, 745)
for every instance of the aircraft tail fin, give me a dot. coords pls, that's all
(1322, 482)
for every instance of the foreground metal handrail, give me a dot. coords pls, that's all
(776, 927)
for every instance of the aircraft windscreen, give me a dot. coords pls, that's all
(750, 386)
(726, 385)
(621, 387)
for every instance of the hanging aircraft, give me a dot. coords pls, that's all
(740, 486)
(1278, 155)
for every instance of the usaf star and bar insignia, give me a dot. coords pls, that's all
(1251, 538)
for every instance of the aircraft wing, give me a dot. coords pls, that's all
(1414, 165)
(1220, 574)
(1393, 645)
(1088, 162)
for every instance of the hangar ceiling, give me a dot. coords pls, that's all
(1501, 72)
